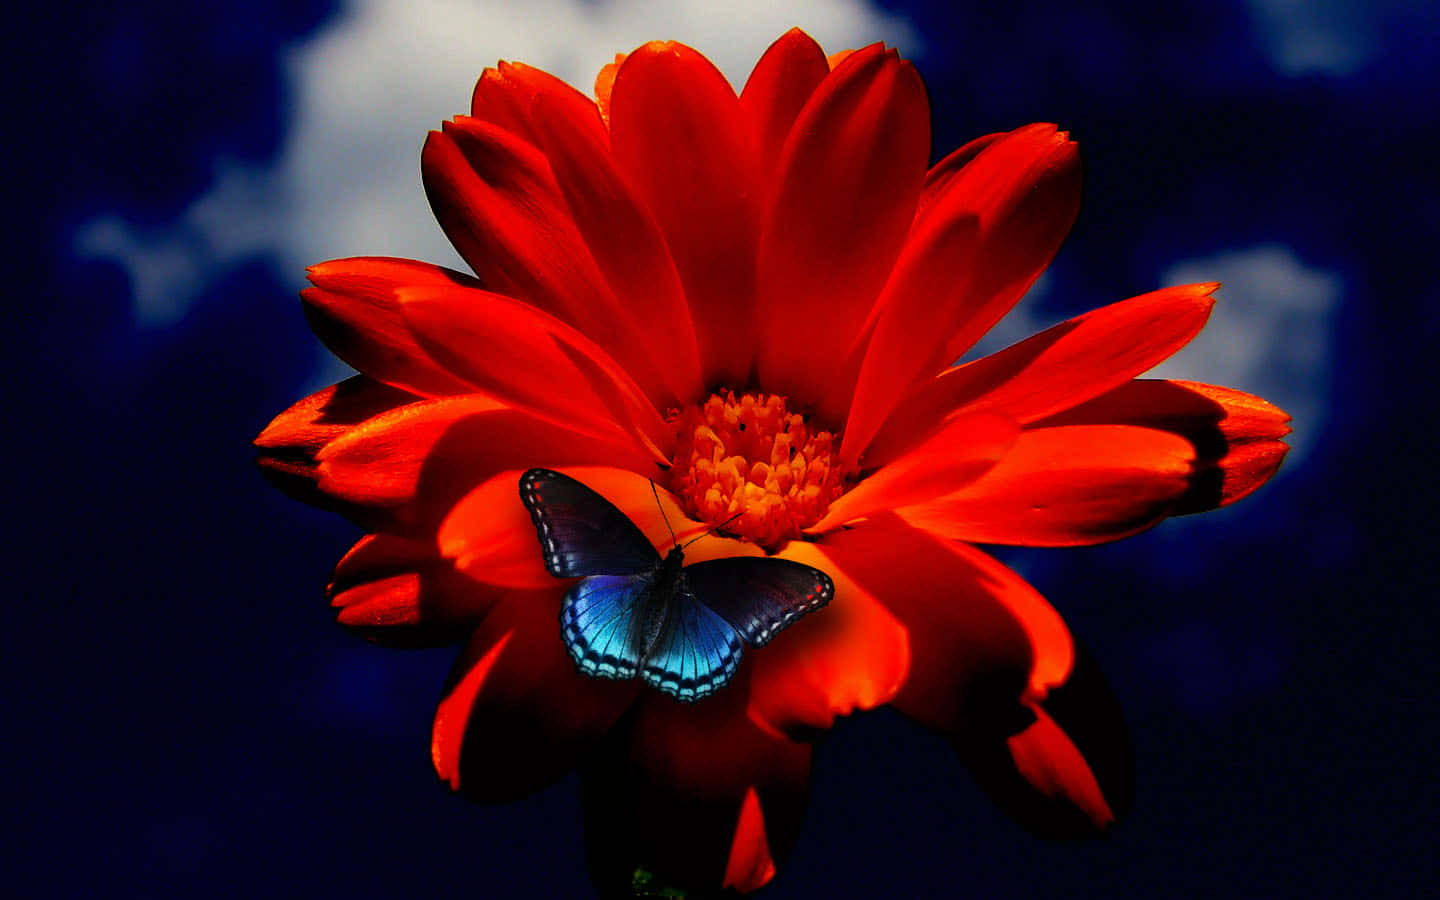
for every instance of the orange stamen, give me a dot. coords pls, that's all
(750, 455)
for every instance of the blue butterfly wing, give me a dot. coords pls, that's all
(696, 652)
(599, 621)
(582, 533)
(759, 596)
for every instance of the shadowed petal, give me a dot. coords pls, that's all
(1064, 768)
(680, 139)
(1056, 369)
(1067, 486)
(377, 463)
(490, 536)
(400, 592)
(377, 556)
(848, 183)
(1236, 435)
(516, 715)
(289, 444)
(980, 637)
(698, 794)
(311, 423)
(853, 654)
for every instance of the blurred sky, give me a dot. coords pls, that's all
(191, 721)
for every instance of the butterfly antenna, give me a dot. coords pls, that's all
(656, 493)
(715, 529)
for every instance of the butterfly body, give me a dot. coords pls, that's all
(681, 629)
(662, 595)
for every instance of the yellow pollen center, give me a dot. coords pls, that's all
(750, 455)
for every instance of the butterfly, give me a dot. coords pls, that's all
(634, 614)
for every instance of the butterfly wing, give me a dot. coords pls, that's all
(696, 652)
(582, 533)
(603, 623)
(599, 621)
(759, 596)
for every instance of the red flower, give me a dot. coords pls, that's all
(753, 302)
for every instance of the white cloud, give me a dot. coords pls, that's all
(370, 85)
(167, 265)
(1272, 333)
(1299, 37)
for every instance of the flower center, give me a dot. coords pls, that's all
(749, 455)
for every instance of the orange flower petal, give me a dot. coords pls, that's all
(500, 100)
(352, 309)
(532, 361)
(679, 136)
(1056, 369)
(1025, 190)
(490, 536)
(288, 445)
(1064, 768)
(751, 863)
(779, 85)
(378, 462)
(605, 85)
(938, 287)
(980, 637)
(506, 94)
(498, 202)
(851, 655)
(416, 462)
(1236, 435)
(962, 451)
(516, 715)
(1067, 486)
(739, 790)
(401, 593)
(319, 418)
(849, 177)
(917, 308)
(629, 248)
(946, 169)
(531, 246)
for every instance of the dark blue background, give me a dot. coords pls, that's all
(187, 720)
